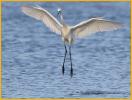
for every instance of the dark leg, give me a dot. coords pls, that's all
(71, 72)
(63, 69)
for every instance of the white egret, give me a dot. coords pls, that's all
(70, 33)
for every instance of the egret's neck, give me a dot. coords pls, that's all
(62, 19)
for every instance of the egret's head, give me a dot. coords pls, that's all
(59, 11)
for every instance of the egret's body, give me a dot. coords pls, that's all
(70, 33)
(66, 36)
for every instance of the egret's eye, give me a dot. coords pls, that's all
(59, 11)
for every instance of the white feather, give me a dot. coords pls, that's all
(44, 16)
(94, 25)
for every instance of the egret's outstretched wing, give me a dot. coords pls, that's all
(43, 15)
(94, 25)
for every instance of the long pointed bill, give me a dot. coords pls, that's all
(58, 15)
(71, 71)
(63, 68)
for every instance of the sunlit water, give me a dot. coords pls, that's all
(32, 55)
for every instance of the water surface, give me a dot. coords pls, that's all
(32, 55)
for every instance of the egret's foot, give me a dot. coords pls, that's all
(63, 69)
(71, 72)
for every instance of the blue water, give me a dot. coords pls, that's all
(32, 55)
